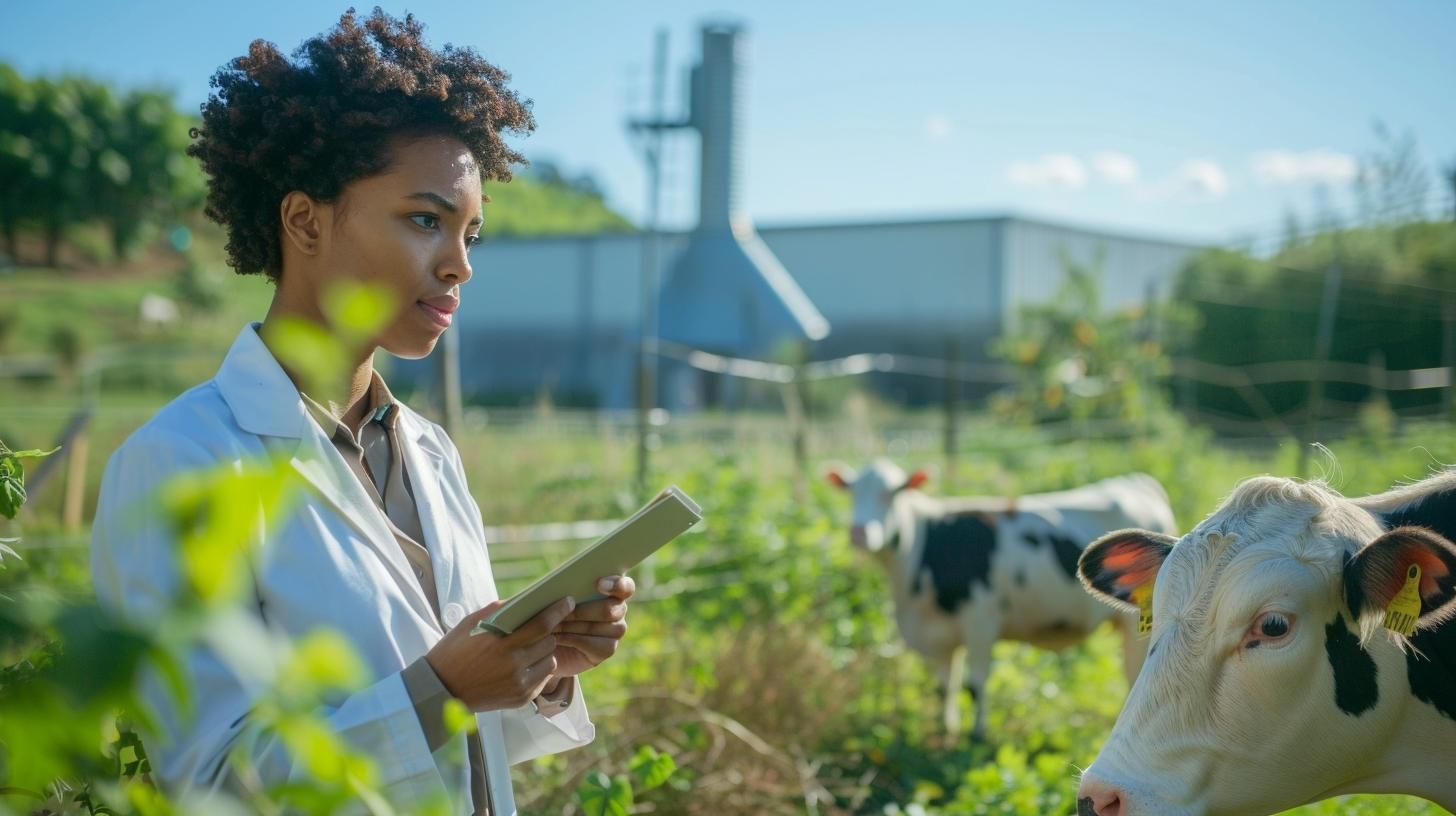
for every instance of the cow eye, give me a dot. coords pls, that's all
(1268, 629)
(1274, 625)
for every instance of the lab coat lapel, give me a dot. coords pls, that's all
(265, 402)
(426, 466)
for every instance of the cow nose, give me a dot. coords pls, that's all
(857, 535)
(1095, 798)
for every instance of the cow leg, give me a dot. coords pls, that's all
(1134, 646)
(980, 636)
(948, 667)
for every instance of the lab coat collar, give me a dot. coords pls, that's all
(265, 402)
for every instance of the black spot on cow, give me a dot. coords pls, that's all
(1431, 667)
(1067, 553)
(957, 555)
(1032, 540)
(1431, 664)
(1436, 511)
(1356, 691)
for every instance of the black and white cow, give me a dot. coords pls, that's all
(1271, 680)
(968, 572)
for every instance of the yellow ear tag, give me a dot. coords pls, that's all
(1143, 597)
(1405, 607)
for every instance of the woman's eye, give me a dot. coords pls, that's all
(472, 240)
(425, 220)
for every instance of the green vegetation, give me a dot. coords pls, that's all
(763, 673)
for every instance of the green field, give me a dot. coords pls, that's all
(763, 656)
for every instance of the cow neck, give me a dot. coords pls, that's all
(902, 534)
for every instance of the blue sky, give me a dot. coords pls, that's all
(1198, 120)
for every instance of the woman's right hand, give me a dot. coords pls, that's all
(490, 671)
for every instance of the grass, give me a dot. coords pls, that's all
(776, 679)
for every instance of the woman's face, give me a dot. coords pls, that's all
(409, 230)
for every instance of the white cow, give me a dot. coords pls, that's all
(968, 572)
(1271, 679)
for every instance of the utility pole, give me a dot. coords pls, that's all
(651, 135)
(448, 356)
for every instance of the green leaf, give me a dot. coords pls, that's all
(602, 795)
(322, 661)
(458, 718)
(12, 496)
(651, 768)
(33, 454)
(217, 515)
(358, 311)
(309, 349)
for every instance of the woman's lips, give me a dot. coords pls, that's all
(441, 317)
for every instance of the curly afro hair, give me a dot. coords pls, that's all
(324, 119)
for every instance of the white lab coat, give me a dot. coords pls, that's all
(332, 563)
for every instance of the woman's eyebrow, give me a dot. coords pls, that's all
(436, 198)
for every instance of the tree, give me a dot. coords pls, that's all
(1074, 360)
(1392, 184)
(144, 173)
(62, 161)
(17, 154)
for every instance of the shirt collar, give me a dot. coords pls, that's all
(382, 408)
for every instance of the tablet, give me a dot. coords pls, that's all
(664, 518)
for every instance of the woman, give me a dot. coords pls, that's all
(359, 160)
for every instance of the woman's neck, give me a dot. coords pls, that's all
(346, 396)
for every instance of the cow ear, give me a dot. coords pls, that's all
(836, 474)
(916, 480)
(1115, 565)
(1377, 572)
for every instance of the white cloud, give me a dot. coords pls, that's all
(1293, 167)
(937, 127)
(1055, 170)
(1118, 168)
(1204, 177)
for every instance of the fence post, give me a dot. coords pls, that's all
(1322, 342)
(951, 441)
(798, 405)
(1448, 351)
(75, 495)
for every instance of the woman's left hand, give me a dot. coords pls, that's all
(591, 633)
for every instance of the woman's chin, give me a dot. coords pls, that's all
(412, 348)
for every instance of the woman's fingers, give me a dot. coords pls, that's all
(617, 586)
(536, 650)
(596, 648)
(612, 629)
(537, 675)
(605, 609)
(544, 622)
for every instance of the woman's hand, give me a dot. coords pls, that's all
(591, 634)
(490, 671)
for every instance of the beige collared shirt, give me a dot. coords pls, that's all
(373, 454)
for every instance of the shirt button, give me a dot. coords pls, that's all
(453, 614)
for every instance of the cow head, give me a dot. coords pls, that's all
(874, 490)
(1270, 680)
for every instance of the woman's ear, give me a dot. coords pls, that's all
(1117, 564)
(301, 219)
